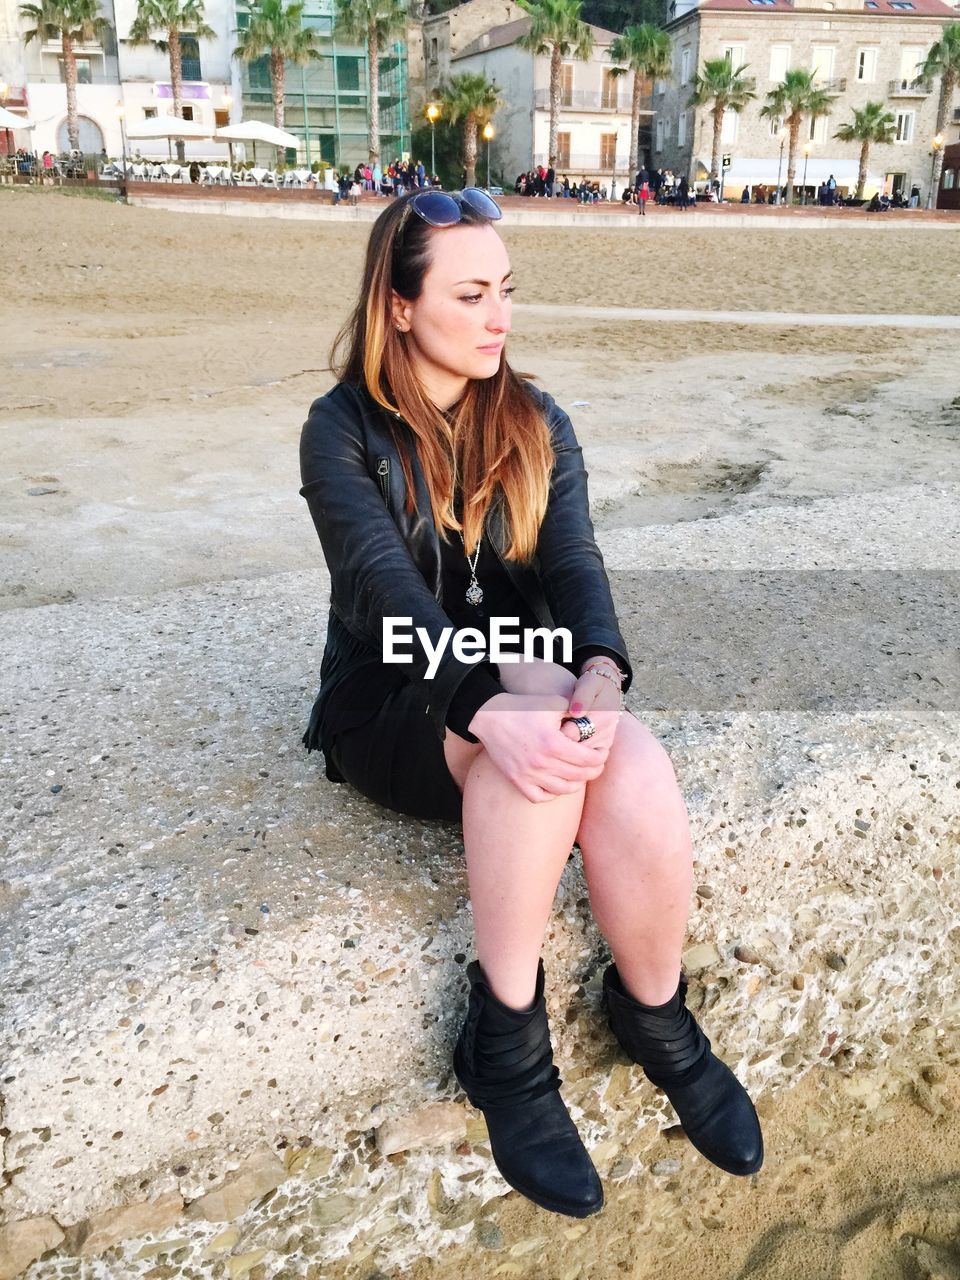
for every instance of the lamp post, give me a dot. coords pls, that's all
(807, 148)
(935, 145)
(782, 135)
(433, 111)
(488, 133)
(123, 151)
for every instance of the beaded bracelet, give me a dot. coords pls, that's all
(597, 671)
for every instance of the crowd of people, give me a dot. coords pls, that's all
(399, 178)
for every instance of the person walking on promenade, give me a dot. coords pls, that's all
(449, 492)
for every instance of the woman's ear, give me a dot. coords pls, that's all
(401, 312)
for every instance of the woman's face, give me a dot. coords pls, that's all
(457, 328)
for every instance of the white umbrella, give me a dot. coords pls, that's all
(9, 120)
(256, 131)
(170, 127)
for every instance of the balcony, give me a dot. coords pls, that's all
(584, 100)
(836, 85)
(586, 164)
(908, 89)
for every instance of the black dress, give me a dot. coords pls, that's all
(371, 723)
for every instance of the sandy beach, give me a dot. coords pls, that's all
(156, 370)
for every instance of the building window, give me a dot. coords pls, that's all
(258, 74)
(728, 130)
(911, 59)
(901, 4)
(348, 73)
(433, 48)
(818, 129)
(660, 88)
(684, 66)
(949, 179)
(608, 150)
(84, 74)
(221, 117)
(734, 54)
(765, 3)
(149, 113)
(821, 62)
(871, 4)
(658, 144)
(190, 57)
(682, 129)
(904, 126)
(776, 124)
(187, 109)
(609, 96)
(867, 65)
(563, 151)
(779, 61)
(566, 84)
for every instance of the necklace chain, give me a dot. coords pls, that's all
(474, 593)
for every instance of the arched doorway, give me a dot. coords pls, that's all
(91, 136)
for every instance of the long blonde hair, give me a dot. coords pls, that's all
(497, 437)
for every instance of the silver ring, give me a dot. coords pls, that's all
(585, 725)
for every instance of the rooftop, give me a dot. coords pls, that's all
(509, 32)
(888, 8)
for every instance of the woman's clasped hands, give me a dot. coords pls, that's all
(534, 742)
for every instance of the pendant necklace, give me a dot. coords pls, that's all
(474, 593)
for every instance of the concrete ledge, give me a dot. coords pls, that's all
(216, 960)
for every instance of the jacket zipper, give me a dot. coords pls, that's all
(383, 477)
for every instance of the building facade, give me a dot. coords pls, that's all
(593, 139)
(326, 102)
(121, 85)
(861, 50)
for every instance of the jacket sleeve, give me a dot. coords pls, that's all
(574, 580)
(373, 575)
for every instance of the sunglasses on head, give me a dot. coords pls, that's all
(442, 209)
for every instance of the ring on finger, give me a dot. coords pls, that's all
(585, 726)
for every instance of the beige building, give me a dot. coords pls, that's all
(861, 50)
(593, 138)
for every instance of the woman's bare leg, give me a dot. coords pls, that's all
(637, 857)
(516, 850)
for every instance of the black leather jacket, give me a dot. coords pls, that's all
(384, 562)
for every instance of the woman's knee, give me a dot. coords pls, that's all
(638, 757)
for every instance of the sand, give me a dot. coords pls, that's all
(156, 369)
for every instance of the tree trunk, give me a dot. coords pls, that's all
(470, 148)
(554, 106)
(277, 78)
(792, 156)
(947, 84)
(176, 84)
(862, 175)
(373, 68)
(635, 124)
(70, 76)
(717, 131)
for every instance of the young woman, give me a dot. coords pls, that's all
(448, 492)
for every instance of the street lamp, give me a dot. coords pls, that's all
(807, 148)
(123, 150)
(433, 111)
(488, 133)
(782, 135)
(936, 144)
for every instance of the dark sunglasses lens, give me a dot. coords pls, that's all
(437, 208)
(481, 203)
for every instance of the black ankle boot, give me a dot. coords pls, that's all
(504, 1062)
(711, 1103)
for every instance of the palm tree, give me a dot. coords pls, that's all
(472, 98)
(71, 22)
(646, 51)
(725, 87)
(943, 60)
(171, 17)
(558, 30)
(279, 32)
(873, 123)
(795, 97)
(373, 23)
